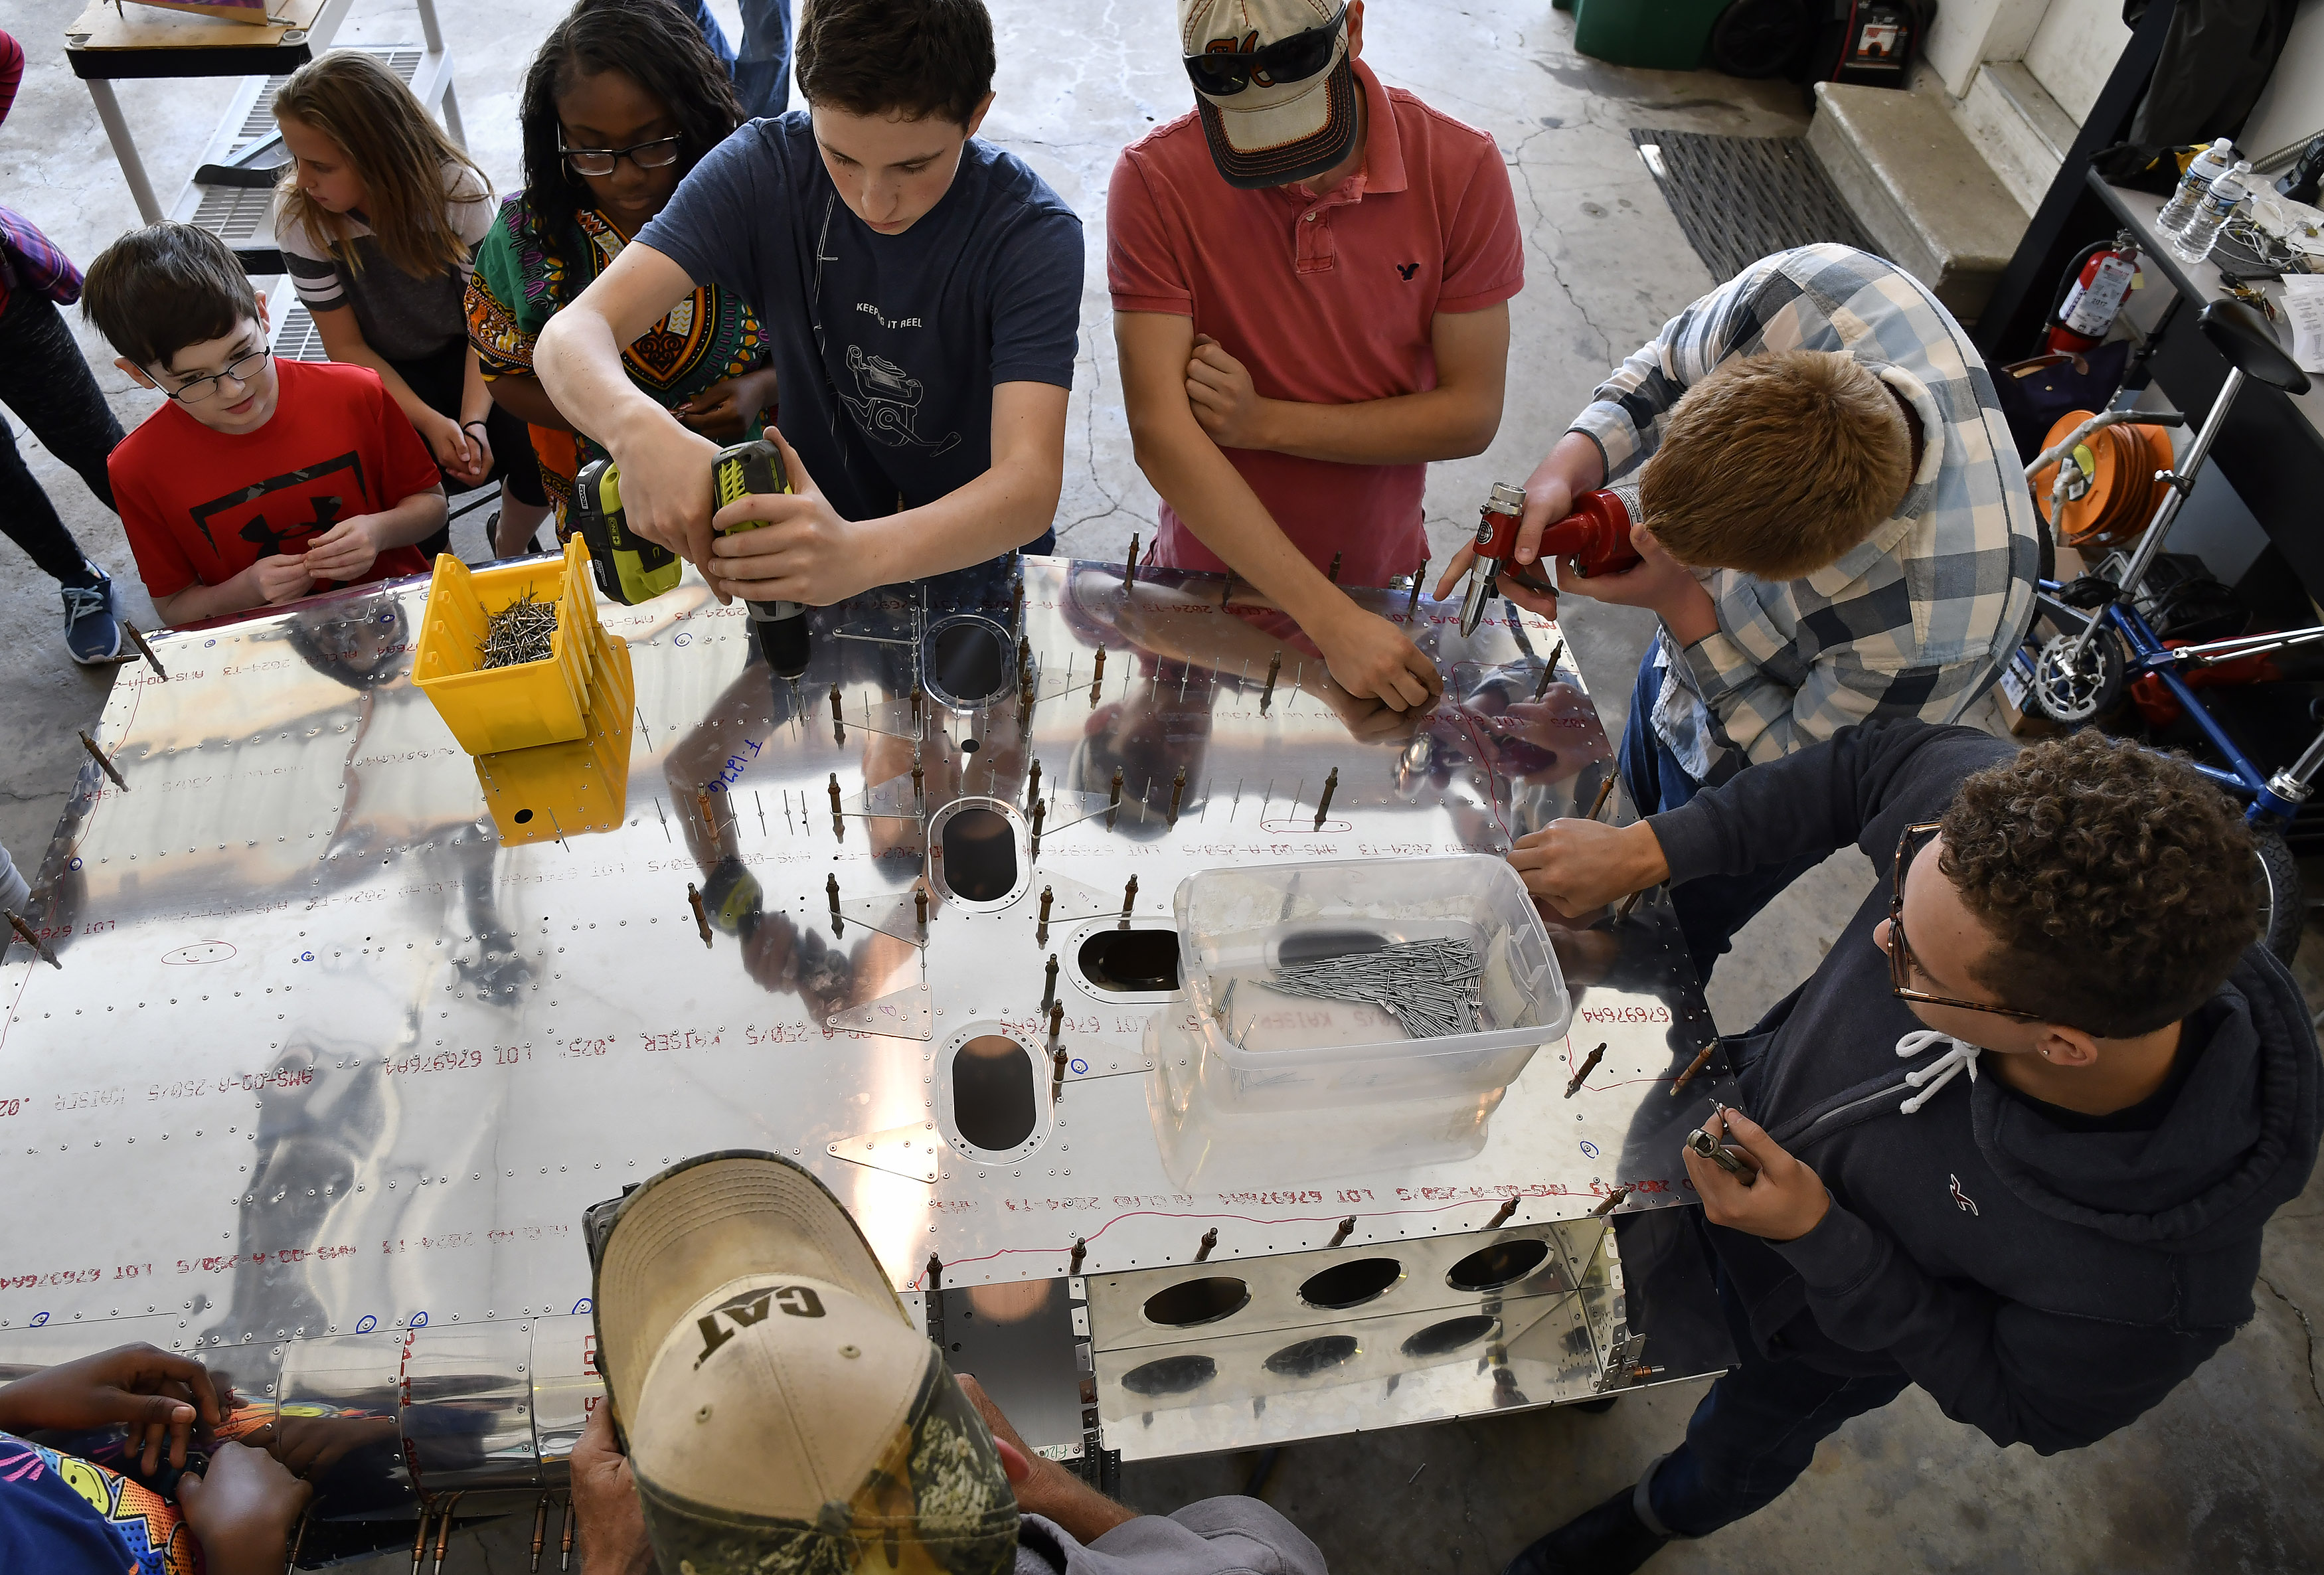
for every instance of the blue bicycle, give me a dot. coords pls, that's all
(2104, 643)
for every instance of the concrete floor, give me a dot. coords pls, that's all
(2219, 1477)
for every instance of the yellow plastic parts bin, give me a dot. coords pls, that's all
(553, 791)
(496, 709)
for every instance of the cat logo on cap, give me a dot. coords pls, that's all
(752, 1307)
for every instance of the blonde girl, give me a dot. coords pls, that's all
(378, 217)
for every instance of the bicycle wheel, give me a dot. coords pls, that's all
(2073, 690)
(2283, 907)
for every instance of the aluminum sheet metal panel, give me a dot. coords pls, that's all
(323, 1058)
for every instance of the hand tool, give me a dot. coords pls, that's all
(1596, 535)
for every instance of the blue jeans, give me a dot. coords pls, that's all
(1710, 908)
(762, 68)
(1753, 1433)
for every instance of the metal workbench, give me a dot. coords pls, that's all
(328, 1073)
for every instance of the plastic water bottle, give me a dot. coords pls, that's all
(2207, 166)
(2194, 243)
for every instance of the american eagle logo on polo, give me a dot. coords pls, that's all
(1962, 1200)
(752, 1307)
(1407, 270)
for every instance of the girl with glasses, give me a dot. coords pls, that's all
(620, 102)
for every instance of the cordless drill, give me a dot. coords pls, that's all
(633, 570)
(1596, 535)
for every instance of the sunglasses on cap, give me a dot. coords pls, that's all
(1225, 71)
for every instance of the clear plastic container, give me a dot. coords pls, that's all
(1290, 1052)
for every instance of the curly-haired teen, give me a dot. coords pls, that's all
(921, 293)
(623, 100)
(2048, 1245)
(1836, 530)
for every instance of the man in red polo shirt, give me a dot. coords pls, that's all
(1311, 278)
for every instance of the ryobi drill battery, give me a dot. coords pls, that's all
(631, 569)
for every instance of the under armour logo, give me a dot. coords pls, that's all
(1407, 270)
(1962, 1200)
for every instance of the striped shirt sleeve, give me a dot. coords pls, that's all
(1630, 410)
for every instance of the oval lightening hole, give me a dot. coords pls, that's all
(1198, 1302)
(1443, 1339)
(969, 662)
(1171, 1376)
(993, 1101)
(1132, 960)
(1310, 1356)
(522, 816)
(1503, 1262)
(1353, 1284)
(1320, 946)
(980, 855)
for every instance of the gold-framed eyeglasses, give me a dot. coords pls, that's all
(1901, 963)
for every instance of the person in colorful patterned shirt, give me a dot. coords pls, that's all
(62, 1515)
(623, 100)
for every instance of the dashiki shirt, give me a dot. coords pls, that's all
(61, 1512)
(521, 282)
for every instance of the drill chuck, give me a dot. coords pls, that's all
(1496, 540)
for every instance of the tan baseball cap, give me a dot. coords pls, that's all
(781, 1412)
(1274, 130)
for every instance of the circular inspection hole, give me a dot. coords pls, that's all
(522, 815)
(1490, 1268)
(1175, 1374)
(1191, 1302)
(1443, 1339)
(1351, 1285)
(992, 1093)
(980, 855)
(1310, 1356)
(969, 660)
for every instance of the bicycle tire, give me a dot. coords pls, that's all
(2283, 906)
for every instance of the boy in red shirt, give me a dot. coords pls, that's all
(260, 481)
(1311, 279)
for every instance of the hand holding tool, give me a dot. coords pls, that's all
(1596, 535)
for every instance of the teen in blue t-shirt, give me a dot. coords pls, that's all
(920, 291)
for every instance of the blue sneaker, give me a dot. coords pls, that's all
(92, 625)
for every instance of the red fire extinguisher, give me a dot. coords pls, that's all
(2102, 277)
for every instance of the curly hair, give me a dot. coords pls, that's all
(2119, 882)
(655, 44)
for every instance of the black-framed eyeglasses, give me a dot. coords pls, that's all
(1900, 951)
(1224, 70)
(657, 154)
(243, 370)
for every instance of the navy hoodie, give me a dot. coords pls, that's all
(2045, 1284)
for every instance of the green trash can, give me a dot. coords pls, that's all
(1661, 36)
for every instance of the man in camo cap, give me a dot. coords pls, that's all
(783, 1416)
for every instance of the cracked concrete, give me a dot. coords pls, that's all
(2220, 1476)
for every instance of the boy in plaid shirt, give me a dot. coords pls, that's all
(1836, 529)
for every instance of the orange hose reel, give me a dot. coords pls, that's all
(2120, 492)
